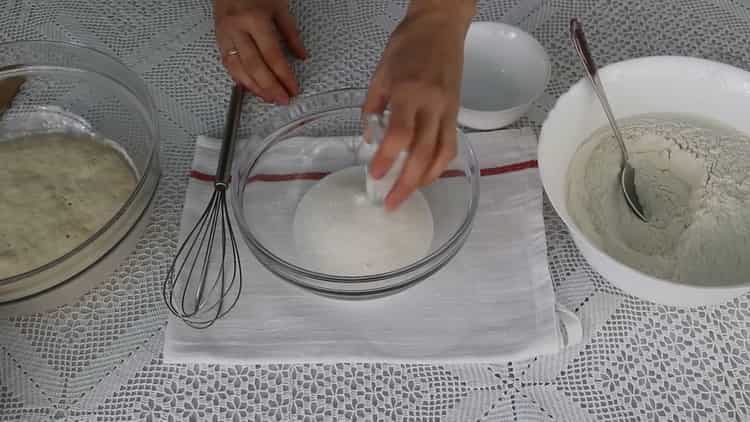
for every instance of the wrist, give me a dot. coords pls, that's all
(458, 11)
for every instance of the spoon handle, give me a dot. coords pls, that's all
(592, 73)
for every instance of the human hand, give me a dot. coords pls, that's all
(419, 76)
(246, 34)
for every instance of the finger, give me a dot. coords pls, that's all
(253, 87)
(271, 89)
(233, 64)
(263, 33)
(377, 94)
(420, 159)
(224, 42)
(397, 138)
(288, 29)
(445, 152)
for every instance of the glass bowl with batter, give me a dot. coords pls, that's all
(303, 211)
(78, 161)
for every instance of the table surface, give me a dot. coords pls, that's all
(100, 358)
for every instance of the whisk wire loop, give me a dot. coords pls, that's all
(204, 282)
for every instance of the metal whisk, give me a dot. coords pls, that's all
(205, 279)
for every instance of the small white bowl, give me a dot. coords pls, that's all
(505, 71)
(647, 85)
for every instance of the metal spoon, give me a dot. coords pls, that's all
(627, 172)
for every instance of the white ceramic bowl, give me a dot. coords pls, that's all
(505, 71)
(646, 85)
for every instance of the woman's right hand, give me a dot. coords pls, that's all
(246, 34)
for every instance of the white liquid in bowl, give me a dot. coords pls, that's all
(339, 231)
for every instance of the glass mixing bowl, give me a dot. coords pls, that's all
(64, 88)
(302, 143)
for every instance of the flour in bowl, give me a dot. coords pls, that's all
(338, 231)
(56, 190)
(693, 179)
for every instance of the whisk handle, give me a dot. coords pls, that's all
(223, 170)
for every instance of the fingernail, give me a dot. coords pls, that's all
(282, 99)
(377, 173)
(389, 204)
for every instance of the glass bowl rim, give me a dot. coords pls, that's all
(303, 116)
(142, 100)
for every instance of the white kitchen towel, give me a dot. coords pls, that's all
(493, 302)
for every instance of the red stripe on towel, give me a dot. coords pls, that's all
(492, 171)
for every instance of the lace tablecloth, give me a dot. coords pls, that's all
(99, 358)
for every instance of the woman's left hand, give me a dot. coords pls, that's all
(419, 76)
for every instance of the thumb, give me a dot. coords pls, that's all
(377, 94)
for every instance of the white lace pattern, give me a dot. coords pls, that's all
(98, 359)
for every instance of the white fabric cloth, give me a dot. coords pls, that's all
(493, 302)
